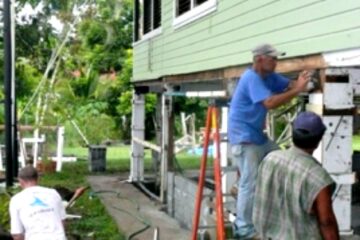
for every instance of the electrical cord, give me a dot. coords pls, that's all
(142, 220)
(147, 225)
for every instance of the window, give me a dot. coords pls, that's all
(147, 14)
(187, 11)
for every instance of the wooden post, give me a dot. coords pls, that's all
(137, 130)
(156, 156)
(166, 103)
(167, 146)
(60, 147)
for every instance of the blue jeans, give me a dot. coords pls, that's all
(248, 158)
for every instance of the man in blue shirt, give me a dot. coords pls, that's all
(258, 90)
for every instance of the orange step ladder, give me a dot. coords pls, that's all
(211, 124)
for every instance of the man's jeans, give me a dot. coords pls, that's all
(248, 158)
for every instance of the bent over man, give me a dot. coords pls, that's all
(36, 213)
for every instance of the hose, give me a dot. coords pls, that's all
(146, 223)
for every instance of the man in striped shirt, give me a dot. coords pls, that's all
(293, 191)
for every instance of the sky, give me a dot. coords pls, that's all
(25, 14)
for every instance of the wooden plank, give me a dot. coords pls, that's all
(147, 144)
(197, 76)
(31, 128)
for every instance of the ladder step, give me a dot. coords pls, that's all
(229, 224)
(213, 195)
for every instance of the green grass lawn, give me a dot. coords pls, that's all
(118, 158)
(356, 143)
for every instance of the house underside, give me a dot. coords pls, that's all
(335, 100)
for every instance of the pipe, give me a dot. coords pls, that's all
(8, 94)
(156, 234)
(148, 192)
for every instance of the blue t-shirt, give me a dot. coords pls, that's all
(247, 112)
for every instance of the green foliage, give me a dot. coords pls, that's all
(85, 89)
(150, 101)
(4, 211)
(124, 107)
(98, 128)
(124, 78)
(35, 41)
(27, 77)
(188, 106)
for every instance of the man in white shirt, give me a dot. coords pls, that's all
(37, 213)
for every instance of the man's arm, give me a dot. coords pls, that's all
(17, 228)
(18, 236)
(276, 100)
(325, 215)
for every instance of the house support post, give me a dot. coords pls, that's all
(156, 156)
(166, 102)
(137, 131)
(335, 149)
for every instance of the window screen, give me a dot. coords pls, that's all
(157, 14)
(147, 16)
(183, 6)
(198, 2)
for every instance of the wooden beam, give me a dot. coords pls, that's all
(284, 66)
(195, 77)
(301, 63)
(147, 144)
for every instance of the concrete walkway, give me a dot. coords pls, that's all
(127, 200)
(130, 200)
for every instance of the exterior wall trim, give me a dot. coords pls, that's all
(343, 58)
(148, 36)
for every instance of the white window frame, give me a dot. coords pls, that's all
(153, 33)
(149, 35)
(194, 13)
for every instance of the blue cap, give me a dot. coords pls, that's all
(309, 122)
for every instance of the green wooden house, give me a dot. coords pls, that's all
(176, 37)
(199, 48)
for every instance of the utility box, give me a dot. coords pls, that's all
(97, 158)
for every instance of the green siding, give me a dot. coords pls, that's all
(225, 37)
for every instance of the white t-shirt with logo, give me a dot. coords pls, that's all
(37, 212)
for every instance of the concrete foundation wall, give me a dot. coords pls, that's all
(181, 197)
